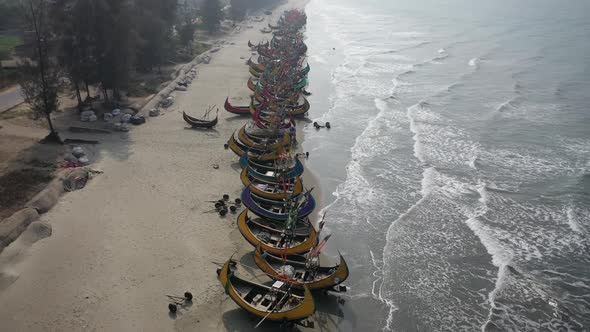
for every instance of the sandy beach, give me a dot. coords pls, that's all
(139, 231)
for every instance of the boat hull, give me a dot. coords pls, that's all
(249, 231)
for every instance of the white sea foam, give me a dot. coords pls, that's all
(572, 220)
(318, 58)
(475, 62)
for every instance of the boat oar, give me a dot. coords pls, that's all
(273, 310)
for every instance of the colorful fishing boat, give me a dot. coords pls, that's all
(273, 237)
(277, 210)
(278, 189)
(302, 270)
(275, 302)
(263, 139)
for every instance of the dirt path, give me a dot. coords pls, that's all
(10, 98)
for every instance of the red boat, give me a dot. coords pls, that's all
(241, 110)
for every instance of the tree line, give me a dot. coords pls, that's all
(96, 42)
(102, 42)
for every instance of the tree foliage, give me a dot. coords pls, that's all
(104, 41)
(211, 14)
(73, 22)
(114, 48)
(39, 77)
(155, 19)
(185, 24)
(238, 9)
(8, 19)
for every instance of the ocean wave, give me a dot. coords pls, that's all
(475, 62)
(510, 104)
(572, 220)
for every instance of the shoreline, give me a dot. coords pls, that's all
(138, 231)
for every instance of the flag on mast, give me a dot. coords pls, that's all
(320, 245)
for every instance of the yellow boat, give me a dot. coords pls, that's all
(277, 302)
(318, 277)
(302, 240)
(251, 84)
(255, 142)
(254, 73)
(258, 67)
(255, 154)
(269, 189)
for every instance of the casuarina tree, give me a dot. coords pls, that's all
(39, 76)
(211, 13)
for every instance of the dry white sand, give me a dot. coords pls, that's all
(138, 231)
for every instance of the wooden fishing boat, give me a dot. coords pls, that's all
(304, 273)
(253, 154)
(268, 171)
(305, 70)
(271, 123)
(258, 67)
(290, 109)
(275, 302)
(240, 110)
(259, 44)
(250, 139)
(254, 72)
(199, 123)
(251, 84)
(272, 189)
(271, 236)
(262, 97)
(272, 209)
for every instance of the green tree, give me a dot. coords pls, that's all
(211, 14)
(238, 9)
(8, 19)
(39, 77)
(185, 24)
(73, 24)
(155, 20)
(114, 49)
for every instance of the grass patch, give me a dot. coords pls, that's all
(19, 186)
(199, 48)
(7, 44)
(8, 77)
(147, 86)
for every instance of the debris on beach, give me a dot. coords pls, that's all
(137, 120)
(174, 302)
(125, 118)
(224, 206)
(88, 116)
(167, 102)
(78, 178)
(327, 125)
(121, 127)
(154, 112)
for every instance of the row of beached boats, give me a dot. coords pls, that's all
(276, 221)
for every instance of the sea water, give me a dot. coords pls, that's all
(456, 173)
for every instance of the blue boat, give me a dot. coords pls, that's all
(276, 210)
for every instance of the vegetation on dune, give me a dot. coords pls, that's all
(7, 44)
(212, 15)
(104, 43)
